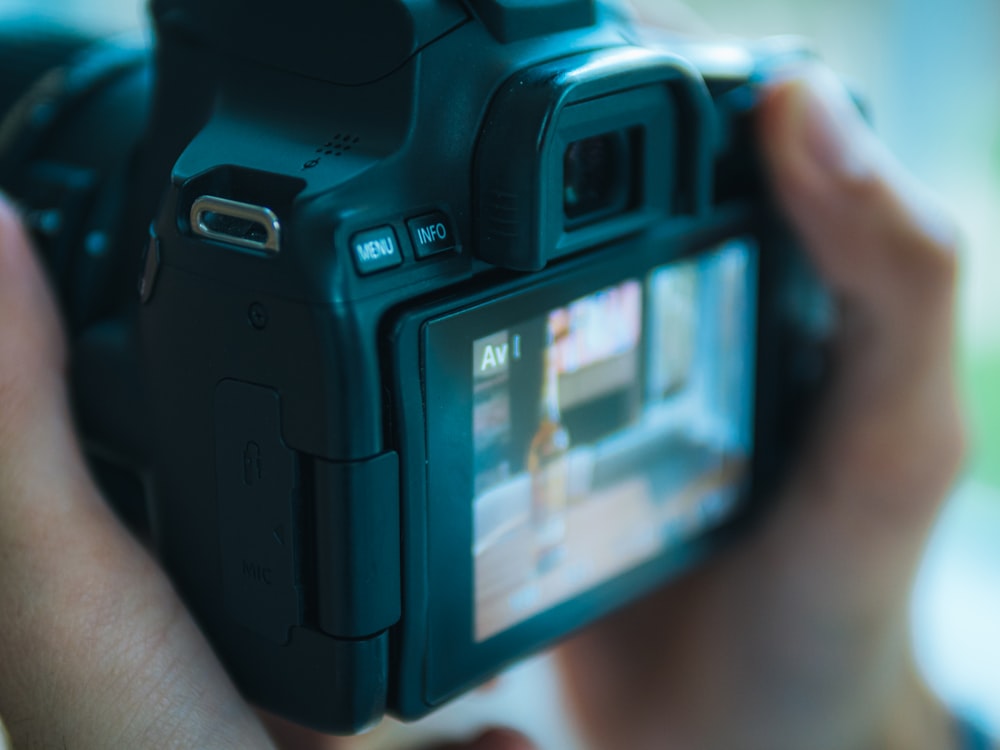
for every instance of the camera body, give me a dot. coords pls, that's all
(405, 269)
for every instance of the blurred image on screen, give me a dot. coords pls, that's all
(608, 430)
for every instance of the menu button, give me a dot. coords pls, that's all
(376, 250)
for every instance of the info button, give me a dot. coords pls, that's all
(432, 234)
(376, 250)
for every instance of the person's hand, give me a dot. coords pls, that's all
(798, 638)
(96, 650)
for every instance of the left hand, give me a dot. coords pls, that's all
(96, 649)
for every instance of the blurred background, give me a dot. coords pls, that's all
(930, 70)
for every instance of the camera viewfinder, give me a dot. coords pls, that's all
(586, 150)
(599, 176)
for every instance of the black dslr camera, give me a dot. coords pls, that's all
(459, 323)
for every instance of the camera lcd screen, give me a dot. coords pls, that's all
(608, 430)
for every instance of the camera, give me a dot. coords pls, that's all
(459, 323)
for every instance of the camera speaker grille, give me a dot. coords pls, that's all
(339, 145)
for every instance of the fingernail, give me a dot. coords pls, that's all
(834, 133)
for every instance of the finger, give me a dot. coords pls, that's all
(889, 255)
(881, 243)
(96, 649)
(32, 349)
(842, 550)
